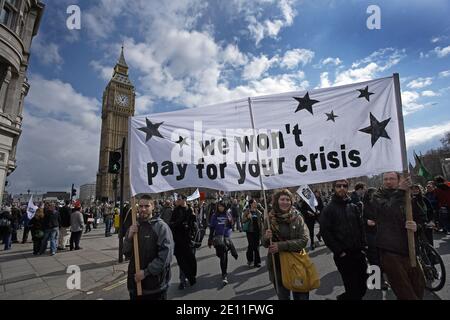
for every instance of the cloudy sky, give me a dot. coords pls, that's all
(189, 53)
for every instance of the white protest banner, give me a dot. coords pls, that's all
(308, 196)
(194, 196)
(302, 137)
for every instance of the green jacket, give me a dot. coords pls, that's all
(297, 237)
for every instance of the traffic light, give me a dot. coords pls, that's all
(74, 192)
(114, 162)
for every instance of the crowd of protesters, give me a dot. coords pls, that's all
(366, 226)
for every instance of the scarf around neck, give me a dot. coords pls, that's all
(277, 218)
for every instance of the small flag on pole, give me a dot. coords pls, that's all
(31, 208)
(423, 172)
(194, 196)
(308, 196)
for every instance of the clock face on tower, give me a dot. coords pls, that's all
(122, 100)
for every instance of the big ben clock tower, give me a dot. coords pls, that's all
(118, 106)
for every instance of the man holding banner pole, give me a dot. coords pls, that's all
(407, 282)
(149, 244)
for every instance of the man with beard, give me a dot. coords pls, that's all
(155, 253)
(407, 282)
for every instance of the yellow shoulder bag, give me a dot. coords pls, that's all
(298, 272)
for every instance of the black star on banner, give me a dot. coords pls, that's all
(376, 129)
(182, 141)
(305, 103)
(331, 116)
(151, 130)
(364, 93)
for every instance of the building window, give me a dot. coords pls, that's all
(4, 16)
(9, 13)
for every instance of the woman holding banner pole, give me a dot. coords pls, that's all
(287, 231)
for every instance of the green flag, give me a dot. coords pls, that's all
(423, 172)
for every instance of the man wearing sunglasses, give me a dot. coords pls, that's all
(342, 230)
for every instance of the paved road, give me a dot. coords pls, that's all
(250, 283)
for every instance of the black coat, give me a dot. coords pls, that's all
(341, 226)
(51, 219)
(64, 213)
(391, 219)
(6, 229)
(182, 224)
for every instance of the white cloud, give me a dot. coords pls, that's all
(105, 72)
(46, 52)
(418, 136)
(410, 103)
(357, 74)
(257, 67)
(429, 93)
(435, 39)
(324, 81)
(60, 140)
(293, 58)
(270, 28)
(99, 20)
(233, 56)
(52, 154)
(444, 74)
(331, 61)
(59, 100)
(424, 55)
(420, 83)
(143, 105)
(369, 67)
(442, 52)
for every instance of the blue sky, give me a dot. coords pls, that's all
(191, 53)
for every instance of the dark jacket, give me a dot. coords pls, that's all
(182, 224)
(341, 226)
(423, 209)
(442, 193)
(8, 220)
(431, 196)
(166, 214)
(369, 213)
(51, 219)
(64, 214)
(36, 226)
(256, 220)
(391, 219)
(155, 254)
(309, 216)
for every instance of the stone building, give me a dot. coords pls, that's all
(19, 23)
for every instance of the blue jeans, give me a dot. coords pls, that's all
(7, 240)
(52, 235)
(108, 225)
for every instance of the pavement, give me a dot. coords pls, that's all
(24, 276)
